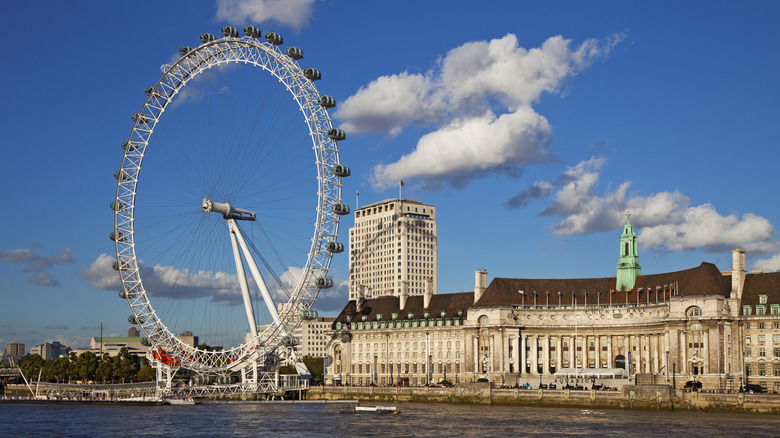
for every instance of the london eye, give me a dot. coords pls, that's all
(227, 204)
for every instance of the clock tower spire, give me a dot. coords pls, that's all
(628, 268)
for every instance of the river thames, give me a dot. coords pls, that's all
(415, 419)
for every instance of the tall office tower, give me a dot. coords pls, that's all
(393, 243)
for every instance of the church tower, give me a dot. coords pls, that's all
(628, 268)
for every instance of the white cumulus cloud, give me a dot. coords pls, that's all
(478, 100)
(771, 264)
(292, 13)
(666, 221)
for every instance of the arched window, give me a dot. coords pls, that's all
(694, 312)
(625, 250)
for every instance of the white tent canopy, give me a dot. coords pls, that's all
(601, 373)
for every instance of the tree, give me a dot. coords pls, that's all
(126, 365)
(146, 374)
(105, 369)
(31, 365)
(316, 366)
(86, 366)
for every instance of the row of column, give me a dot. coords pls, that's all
(647, 350)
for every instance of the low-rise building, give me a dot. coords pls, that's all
(718, 328)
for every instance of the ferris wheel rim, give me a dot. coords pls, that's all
(196, 61)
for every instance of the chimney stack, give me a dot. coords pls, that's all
(480, 283)
(738, 272)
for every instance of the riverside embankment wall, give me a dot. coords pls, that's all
(631, 397)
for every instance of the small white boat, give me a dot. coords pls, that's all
(179, 401)
(371, 410)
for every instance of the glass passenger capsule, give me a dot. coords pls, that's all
(334, 247)
(340, 209)
(252, 31)
(340, 170)
(113, 236)
(183, 50)
(121, 175)
(336, 134)
(207, 38)
(117, 206)
(153, 92)
(290, 341)
(139, 118)
(129, 146)
(312, 74)
(294, 52)
(324, 283)
(146, 342)
(131, 319)
(125, 294)
(326, 101)
(308, 315)
(274, 38)
(229, 31)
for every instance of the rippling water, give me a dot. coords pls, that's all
(207, 420)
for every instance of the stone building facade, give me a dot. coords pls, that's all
(719, 328)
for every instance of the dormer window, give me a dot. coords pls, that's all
(694, 312)
(762, 299)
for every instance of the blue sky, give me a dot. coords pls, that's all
(532, 126)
